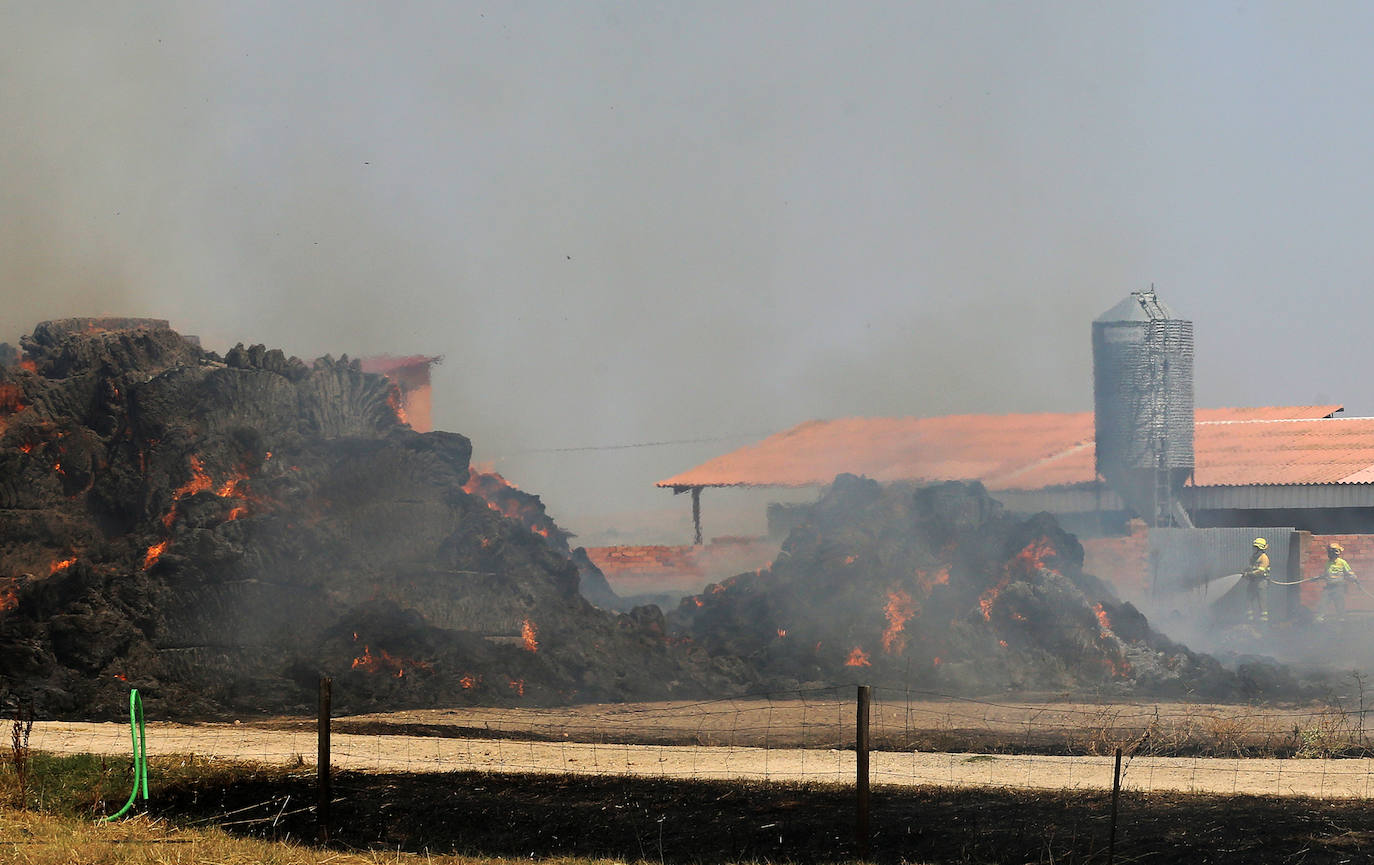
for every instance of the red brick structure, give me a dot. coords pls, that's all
(1122, 561)
(1359, 552)
(653, 569)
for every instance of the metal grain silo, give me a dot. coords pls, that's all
(1143, 405)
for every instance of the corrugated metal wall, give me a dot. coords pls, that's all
(1184, 560)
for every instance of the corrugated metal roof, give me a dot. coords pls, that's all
(1327, 451)
(1018, 451)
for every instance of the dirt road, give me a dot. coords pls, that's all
(770, 741)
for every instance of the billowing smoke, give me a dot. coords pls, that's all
(635, 224)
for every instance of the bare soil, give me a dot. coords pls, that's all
(959, 743)
(907, 721)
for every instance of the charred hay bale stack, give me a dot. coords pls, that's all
(219, 532)
(937, 587)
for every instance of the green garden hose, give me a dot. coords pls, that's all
(140, 743)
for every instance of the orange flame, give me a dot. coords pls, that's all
(468, 682)
(518, 686)
(985, 601)
(1121, 670)
(384, 662)
(395, 401)
(928, 581)
(782, 632)
(11, 399)
(1002, 643)
(528, 632)
(9, 597)
(698, 601)
(154, 553)
(121, 677)
(935, 662)
(1028, 563)
(199, 480)
(498, 493)
(61, 566)
(899, 608)
(366, 661)
(29, 365)
(858, 658)
(1102, 621)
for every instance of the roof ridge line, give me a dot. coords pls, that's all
(1280, 420)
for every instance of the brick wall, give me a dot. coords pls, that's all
(1124, 562)
(636, 570)
(1359, 552)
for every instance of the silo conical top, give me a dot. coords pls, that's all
(1138, 306)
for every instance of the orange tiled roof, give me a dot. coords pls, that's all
(1268, 445)
(1330, 451)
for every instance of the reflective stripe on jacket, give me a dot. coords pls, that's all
(1337, 570)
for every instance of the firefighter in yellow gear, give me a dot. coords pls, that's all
(1335, 580)
(1256, 575)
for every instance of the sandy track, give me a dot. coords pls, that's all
(399, 753)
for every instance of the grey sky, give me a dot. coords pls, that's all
(633, 222)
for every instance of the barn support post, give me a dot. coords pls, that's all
(1298, 543)
(322, 762)
(861, 823)
(696, 514)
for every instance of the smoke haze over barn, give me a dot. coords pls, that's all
(631, 225)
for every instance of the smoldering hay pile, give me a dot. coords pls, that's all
(938, 587)
(220, 531)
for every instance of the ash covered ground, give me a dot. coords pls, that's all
(221, 531)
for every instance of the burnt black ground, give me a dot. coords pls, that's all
(689, 822)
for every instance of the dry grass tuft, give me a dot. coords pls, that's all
(27, 838)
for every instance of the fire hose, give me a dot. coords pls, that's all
(140, 746)
(1354, 582)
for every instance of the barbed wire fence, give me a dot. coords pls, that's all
(811, 735)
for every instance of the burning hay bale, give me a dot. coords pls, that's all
(937, 587)
(509, 500)
(221, 531)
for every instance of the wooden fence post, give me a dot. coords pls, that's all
(322, 762)
(861, 827)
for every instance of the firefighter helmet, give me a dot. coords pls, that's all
(1261, 544)
(1335, 548)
